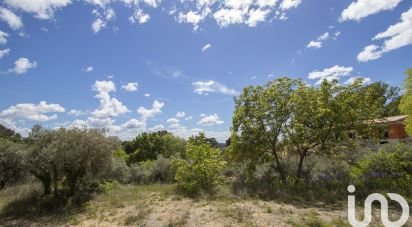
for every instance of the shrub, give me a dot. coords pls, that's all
(200, 171)
(162, 171)
(389, 169)
(11, 162)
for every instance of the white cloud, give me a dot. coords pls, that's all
(131, 87)
(180, 114)
(109, 107)
(363, 8)
(146, 95)
(188, 118)
(22, 65)
(42, 9)
(4, 53)
(365, 80)
(3, 37)
(204, 87)
(10, 18)
(205, 47)
(101, 3)
(225, 17)
(318, 43)
(102, 18)
(75, 112)
(369, 53)
(288, 4)
(330, 74)
(395, 37)
(134, 123)
(148, 113)
(32, 112)
(173, 121)
(314, 44)
(157, 128)
(89, 69)
(139, 17)
(256, 16)
(98, 24)
(210, 120)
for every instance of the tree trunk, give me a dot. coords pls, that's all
(302, 156)
(279, 167)
(46, 181)
(55, 182)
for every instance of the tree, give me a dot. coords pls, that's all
(259, 120)
(200, 171)
(389, 97)
(9, 134)
(69, 157)
(149, 146)
(324, 118)
(406, 101)
(201, 138)
(12, 166)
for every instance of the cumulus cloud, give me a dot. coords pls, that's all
(42, 9)
(131, 87)
(329, 74)
(22, 65)
(314, 44)
(109, 107)
(32, 112)
(365, 80)
(173, 121)
(146, 95)
(75, 112)
(180, 114)
(4, 53)
(360, 9)
(139, 17)
(134, 123)
(318, 43)
(10, 18)
(210, 120)
(149, 113)
(102, 18)
(395, 37)
(188, 118)
(288, 4)
(205, 87)
(205, 47)
(3, 37)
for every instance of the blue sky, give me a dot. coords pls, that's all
(142, 65)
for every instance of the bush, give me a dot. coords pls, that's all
(389, 169)
(11, 162)
(200, 171)
(162, 171)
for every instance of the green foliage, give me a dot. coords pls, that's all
(202, 139)
(12, 162)
(121, 154)
(406, 101)
(389, 169)
(149, 146)
(9, 134)
(200, 171)
(75, 159)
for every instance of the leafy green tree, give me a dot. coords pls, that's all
(149, 146)
(200, 171)
(201, 139)
(259, 120)
(12, 165)
(388, 96)
(324, 118)
(406, 101)
(9, 134)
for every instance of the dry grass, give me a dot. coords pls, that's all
(159, 205)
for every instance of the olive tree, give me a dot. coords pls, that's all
(11, 162)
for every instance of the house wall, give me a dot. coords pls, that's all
(397, 131)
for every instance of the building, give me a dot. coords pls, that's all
(392, 129)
